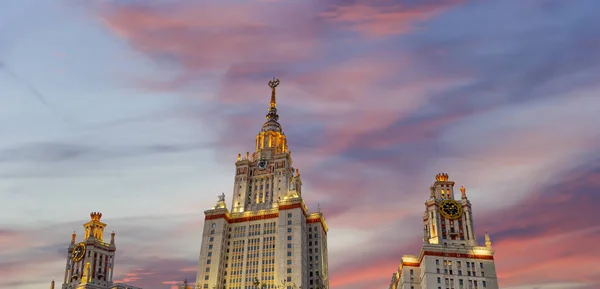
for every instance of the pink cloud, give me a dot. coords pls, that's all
(133, 276)
(152, 271)
(385, 19)
(13, 239)
(375, 274)
(527, 261)
(214, 35)
(373, 267)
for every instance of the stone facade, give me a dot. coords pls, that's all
(269, 239)
(450, 257)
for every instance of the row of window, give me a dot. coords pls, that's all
(458, 263)
(460, 272)
(449, 283)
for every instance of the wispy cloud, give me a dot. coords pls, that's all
(32, 89)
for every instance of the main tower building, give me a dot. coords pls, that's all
(268, 239)
(450, 257)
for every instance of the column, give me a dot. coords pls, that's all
(67, 270)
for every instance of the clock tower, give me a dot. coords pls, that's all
(451, 257)
(447, 220)
(90, 262)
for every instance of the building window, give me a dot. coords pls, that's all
(439, 280)
(210, 246)
(214, 225)
(208, 261)
(289, 270)
(289, 230)
(209, 254)
(206, 277)
(289, 246)
(212, 232)
(483, 283)
(289, 262)
(289, 215)
(211, 239)
(289, 222)
(289, 253)
(289, 238)
(481, 265)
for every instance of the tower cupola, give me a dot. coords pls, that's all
(271, 135)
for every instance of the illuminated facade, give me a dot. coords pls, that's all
(268, 239)
(450, 257)
(90, 263)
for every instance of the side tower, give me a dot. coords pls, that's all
(90, 262)
(450, 256)
(268, 239)
(446, 220)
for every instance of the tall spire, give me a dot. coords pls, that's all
(273, 84)
(271, 134)
(272, 114)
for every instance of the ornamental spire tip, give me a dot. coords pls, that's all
(273, 84)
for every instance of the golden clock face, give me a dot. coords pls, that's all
(450, 209)
(78, 252)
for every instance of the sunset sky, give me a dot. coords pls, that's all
(138, 109)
